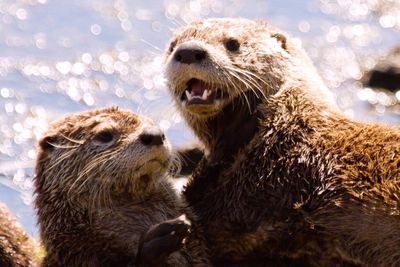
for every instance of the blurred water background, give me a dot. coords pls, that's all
(62, 56)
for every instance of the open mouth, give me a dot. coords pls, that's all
(200, 92)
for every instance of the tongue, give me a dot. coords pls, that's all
(198, 88)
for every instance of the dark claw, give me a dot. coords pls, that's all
(161, 240)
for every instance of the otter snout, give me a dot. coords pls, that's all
(152, 136)
(190, 53)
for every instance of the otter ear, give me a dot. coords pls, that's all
(48, 143)
(281, 39)
(277, 35)
(188, 158)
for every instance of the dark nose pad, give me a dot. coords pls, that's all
(190, 55)
(152, 137)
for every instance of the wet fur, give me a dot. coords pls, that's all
(94, 202)
(287, 176)
(17, 249)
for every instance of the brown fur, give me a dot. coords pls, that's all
(288, 177)
(96, 199)
(17, 249)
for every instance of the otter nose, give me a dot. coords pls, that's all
(190, 55)
(152, 137)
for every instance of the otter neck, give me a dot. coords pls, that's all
(232, 129)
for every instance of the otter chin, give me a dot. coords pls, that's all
(288, 180)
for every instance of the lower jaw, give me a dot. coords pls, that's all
(204, 111)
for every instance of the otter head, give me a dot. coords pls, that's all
(219, 70)
(214, 62)
(100, 155)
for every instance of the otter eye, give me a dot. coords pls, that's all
(232, 45)
(104, 137)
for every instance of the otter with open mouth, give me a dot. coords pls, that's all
(104, 197)
(288, 179)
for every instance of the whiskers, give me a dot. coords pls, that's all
(74, 141)
(175, 164)
(65, 151)
(240, 78)
(96, 180)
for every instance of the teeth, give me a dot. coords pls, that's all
(205, 94)
(188, 95)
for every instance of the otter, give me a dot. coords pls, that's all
(287, 176)
(17, 249)
(386, 73)
(103, 196)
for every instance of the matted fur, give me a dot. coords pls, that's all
(17, 249)
(96, 195)
(288, 177)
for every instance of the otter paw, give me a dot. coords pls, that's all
(161, 240)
